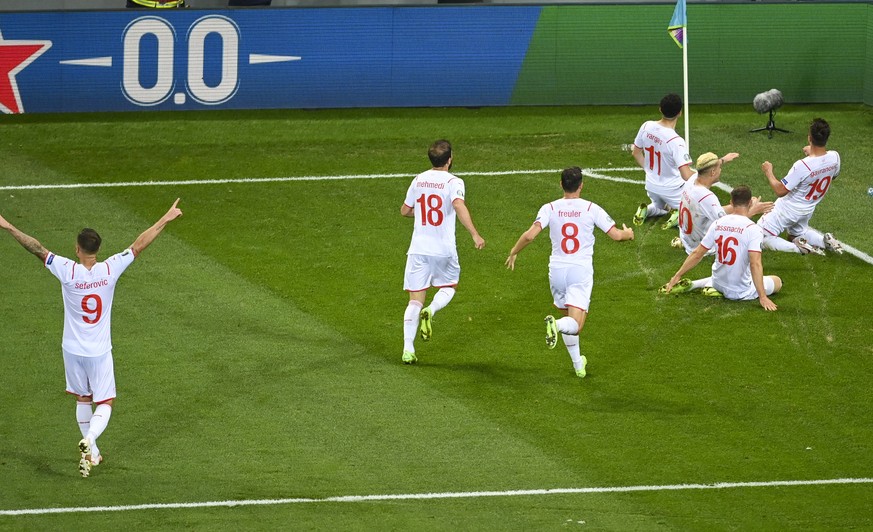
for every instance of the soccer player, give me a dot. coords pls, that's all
(434, 198)
(88, 289)
(571, 221)
(662, 153)
(800, 192)
(700, 206)
(737, 272)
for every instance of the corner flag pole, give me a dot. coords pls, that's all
(685, 88)
(679, 32)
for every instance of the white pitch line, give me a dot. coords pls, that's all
(846, 247)
(431, 496)
(254, 180)
(594, 173)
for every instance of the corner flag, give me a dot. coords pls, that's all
(676, 29)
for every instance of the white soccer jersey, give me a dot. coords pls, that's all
(734, 237)
(88, 301)
(430, 195)
(698, 209)
(665, 152)
(807, 182)
(571, 225)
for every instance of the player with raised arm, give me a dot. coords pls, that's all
(737, 272)
(571, 221)
(88, 289)
(435, 198)
(799, 192)
(662, 153)
(700, 206)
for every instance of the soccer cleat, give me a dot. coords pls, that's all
(85, 459)
(409, 357)
(84, 467)
(551, 332)
(676, 242)
(581, 371)
(711, 292)
(641, 214)
(425, 327)
(682, 286)
(805, 247)
(832, 244)
(672, 221)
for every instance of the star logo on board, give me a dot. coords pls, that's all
(15, 56)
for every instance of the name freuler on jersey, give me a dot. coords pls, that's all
(569, 214)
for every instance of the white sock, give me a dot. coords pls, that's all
(83, 416)
(441, 299)
(571, 341)
(410, 325)
(567, 325)
(654, 211)
(98, 422)
(701, 283)
(814, 238)
(777, 243)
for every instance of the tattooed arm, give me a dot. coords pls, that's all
(27, 242)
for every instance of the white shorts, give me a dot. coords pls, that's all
(666, 199)
(571, 286)
(424, 271)
(90, 376)
(777, 220)
(749, 292)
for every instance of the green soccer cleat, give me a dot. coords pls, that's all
(711, 292)
(682, 286)
(551, 332)
(425, 327)
(409, 357)
(581, 371)
(641, 214)
(672, 221)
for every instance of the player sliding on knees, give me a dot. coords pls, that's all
(571, 221)
(700, 207)
(434, 198)
(88, 289)
(799, 192)
(662, 153)
(737, 272)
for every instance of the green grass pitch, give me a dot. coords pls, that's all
(257, 342)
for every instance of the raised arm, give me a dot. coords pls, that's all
(149, 235)
(467, 221)
(774, 183)
(526, 238)
(27, 242)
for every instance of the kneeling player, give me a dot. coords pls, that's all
(737, 272)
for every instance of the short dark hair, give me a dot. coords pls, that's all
(819, 131)
(671, 104)
(89, 241)
(741, 196)
(571, 178)
(439, 153)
